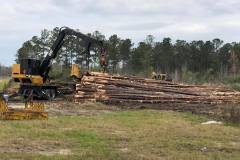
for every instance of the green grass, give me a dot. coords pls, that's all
(3, 83)
(142, 134)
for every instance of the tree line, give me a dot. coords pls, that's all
(5, 71)
(196, 59)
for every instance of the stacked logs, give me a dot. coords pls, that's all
(104, 87)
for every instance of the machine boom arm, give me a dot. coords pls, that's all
(46, 63)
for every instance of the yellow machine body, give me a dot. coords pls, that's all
(36, 79)
(75, 71)
(32, 110)
(25, 78)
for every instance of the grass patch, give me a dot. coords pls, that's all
(3, 83)
(195, 118)
(142, 134)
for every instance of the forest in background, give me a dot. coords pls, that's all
(5, 71)
(195, 61)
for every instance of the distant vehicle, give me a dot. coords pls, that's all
(161, 76)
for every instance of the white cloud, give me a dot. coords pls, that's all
(178, 19)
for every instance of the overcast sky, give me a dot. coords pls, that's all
(134, 19)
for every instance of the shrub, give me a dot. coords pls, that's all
(231, 114)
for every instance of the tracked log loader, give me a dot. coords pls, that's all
(33, 74)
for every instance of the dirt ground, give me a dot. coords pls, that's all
(90, 108)
(68, 108)
(71, 108)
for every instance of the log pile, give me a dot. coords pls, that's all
(104, 87)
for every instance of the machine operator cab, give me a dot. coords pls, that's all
(27, 71)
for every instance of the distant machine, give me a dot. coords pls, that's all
(161, 76)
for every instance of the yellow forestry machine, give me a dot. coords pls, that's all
(32, 74)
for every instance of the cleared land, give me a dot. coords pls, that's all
(126, 131)
(97, 131)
